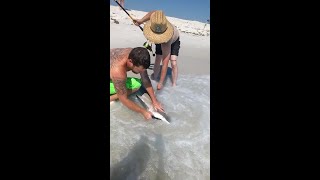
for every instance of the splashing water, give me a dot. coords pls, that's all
(141, 149)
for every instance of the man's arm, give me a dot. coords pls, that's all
(147, 84)
(144, 19)
(120, 85)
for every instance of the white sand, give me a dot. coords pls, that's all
(194, 55)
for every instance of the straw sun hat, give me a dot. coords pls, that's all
(158, 30)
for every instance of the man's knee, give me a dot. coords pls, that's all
(173, 63)
(113, 97)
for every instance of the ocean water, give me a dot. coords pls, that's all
(148, 150)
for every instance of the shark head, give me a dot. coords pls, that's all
(148, 105)
(159, 117)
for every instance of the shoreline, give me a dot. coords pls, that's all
(193, 27)
(194, 53)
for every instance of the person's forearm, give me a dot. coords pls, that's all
(151, 94)
(148, 86)
(131, 105)
(147, 17)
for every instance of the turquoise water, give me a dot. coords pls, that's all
(141, 149)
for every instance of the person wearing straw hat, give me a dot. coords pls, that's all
(160, 31)
(136, 60)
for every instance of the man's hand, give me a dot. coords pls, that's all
(147, 115)
(137, 22)
(157, 106)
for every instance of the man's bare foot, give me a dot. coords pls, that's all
(159, 86)
(174, 84)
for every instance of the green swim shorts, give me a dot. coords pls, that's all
(131, 83)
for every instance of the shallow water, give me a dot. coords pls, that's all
(152, 149)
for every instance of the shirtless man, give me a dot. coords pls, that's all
(166, 37)
(136, 60)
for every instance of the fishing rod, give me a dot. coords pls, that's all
(146, 44)
(127, 13)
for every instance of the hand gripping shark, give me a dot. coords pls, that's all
(143, 96)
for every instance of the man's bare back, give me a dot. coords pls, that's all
(118, 57)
